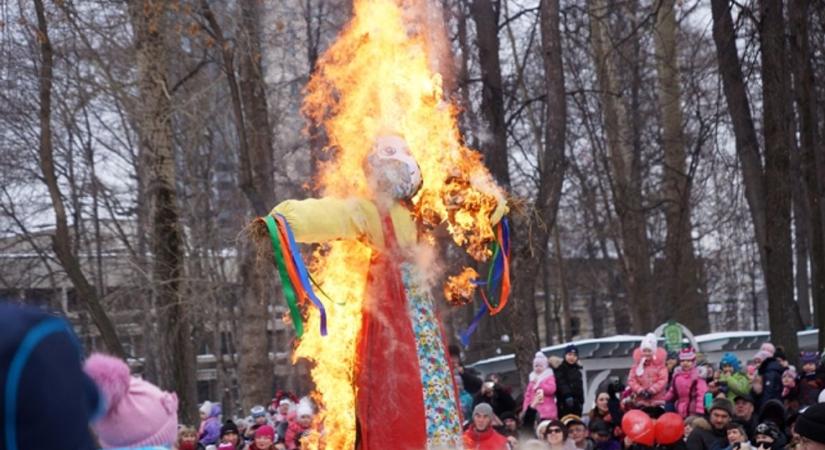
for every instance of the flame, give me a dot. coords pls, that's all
(379, 77)
(459, 289)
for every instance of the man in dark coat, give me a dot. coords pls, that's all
(721, 412)
(569, 383)
(469, 377)
(496, 396)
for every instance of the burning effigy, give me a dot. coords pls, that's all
(363, 308)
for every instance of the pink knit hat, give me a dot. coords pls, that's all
(687, 354)
(137, 413)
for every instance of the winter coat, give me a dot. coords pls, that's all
(488, 439)
(700, 439)
(466, 404)
(610, 444)
(652, 377)
(569, 389)
(738, 384)
(500, 400)
(809, 388)
(688, 392)
(294, 431)
(211, 427)
(771, 372)
(547, 383)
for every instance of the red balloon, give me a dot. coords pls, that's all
(639, 427)
(669, 428)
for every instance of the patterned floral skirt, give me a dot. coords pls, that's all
(440, 402)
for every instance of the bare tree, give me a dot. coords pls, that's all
(682, 282)
(62, 241)
(812, 159)
(772, 230)
(625, 173)
(150, 23)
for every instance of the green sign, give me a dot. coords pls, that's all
(673, 337)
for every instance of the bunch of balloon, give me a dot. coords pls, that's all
(642, 429)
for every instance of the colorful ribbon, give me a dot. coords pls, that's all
(498, 280)
(303, 273)
(293, 273)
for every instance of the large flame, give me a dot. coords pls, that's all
(379, 77)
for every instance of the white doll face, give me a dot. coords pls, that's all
(391, 168)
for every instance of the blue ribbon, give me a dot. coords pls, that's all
(303, 274)
(465, 336)
(492, 284)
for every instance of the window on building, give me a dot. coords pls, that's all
(575, 326)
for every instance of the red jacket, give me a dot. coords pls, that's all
(488, 439)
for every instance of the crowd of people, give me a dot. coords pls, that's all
(53, 398)
(280, 426)
(766, 404)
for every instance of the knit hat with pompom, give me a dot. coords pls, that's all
(137, 413)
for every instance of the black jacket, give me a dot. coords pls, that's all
(771, 372)
(501, 401)
(569, 389)
(700, 439)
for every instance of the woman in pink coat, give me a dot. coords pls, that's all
(647, 380)
(542, 383)
(687, 389)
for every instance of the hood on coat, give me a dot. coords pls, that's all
(774, 411)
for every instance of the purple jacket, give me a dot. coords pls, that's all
(211, 427)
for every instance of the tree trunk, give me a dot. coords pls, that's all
(812, 155)
(747, 144)
(62, 241)
(626, 182)
(776, 129)
(149, 21)
(492, 98)
(686, 302)
(255, 369)
(251, 117)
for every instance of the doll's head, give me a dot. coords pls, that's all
(391, 169)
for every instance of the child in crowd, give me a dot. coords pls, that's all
(790, 391)
(137, 414)
(301, 426)
(810, 385)
(688, 389)
(188, 440)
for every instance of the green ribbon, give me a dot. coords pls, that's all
(289, 289)
(489, 286)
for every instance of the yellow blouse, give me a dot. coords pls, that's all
(328, 218)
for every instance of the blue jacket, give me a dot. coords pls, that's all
(42, 384)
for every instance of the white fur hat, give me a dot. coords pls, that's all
(649, 342)
(540, 358)
(304, 407)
